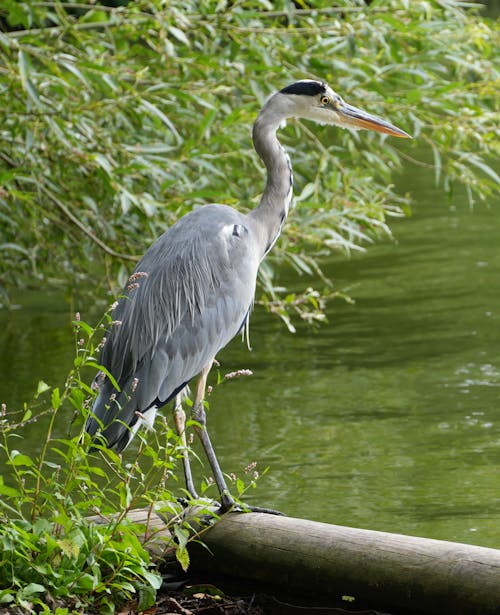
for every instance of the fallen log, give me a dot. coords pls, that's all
(382, 569)
(301, 557)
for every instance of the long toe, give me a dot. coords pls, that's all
(245, 508)
(268, 511)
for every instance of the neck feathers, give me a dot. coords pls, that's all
(276, 198)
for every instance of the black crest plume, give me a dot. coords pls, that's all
(307, 88)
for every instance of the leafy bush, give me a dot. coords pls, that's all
(62, 542)
(121, 119)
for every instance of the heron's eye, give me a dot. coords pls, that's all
(325, 100)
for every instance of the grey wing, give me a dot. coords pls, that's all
(182, 354)
(190, 295)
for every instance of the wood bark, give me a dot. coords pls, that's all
(300, 557)
(378, 568)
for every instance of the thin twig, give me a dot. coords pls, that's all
(84, 229)
(419, 163)
(77, 5)
(306, 12)
(56, 30)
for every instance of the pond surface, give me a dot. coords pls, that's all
(387, 417)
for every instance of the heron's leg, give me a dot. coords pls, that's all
(199, 416)
(180, 426)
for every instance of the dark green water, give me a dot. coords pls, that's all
(386, 418)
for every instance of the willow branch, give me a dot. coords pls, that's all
(84, 229)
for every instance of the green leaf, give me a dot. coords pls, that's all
(153, 578)
(97, 470)
(7, 491)
(41, 388)
(179, 35)
(146, 597)
(168, 123)
(182, 556)
(42, 526)
(24, 73)
(101, 368)
(18, 459)
(125, 496)
(240, 486)
(182, 535)
(77, 398)
(30, 591)
(87, 582)
(484, 167)
(94, 16)
(307, 191)
(80, 324)
(56, 399)
(17, 15)
(437, 163)
(6, 596)
(14, 246)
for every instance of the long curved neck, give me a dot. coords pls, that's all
(272, 210)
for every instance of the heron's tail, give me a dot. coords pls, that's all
(114, 415)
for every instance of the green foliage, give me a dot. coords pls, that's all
(62, 541)
(119, 120)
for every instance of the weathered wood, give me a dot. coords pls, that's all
(382, 569)
(157, 538)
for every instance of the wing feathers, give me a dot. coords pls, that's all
(186, 300)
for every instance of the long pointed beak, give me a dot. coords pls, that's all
(356, 118)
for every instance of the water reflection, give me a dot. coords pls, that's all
(388, 417)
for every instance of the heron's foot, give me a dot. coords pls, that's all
(267, 511)
(245, 508)
(227, 504)
(204, 510)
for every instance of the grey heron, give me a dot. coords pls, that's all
(193, 290)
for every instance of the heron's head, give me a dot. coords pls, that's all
(315, 100)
